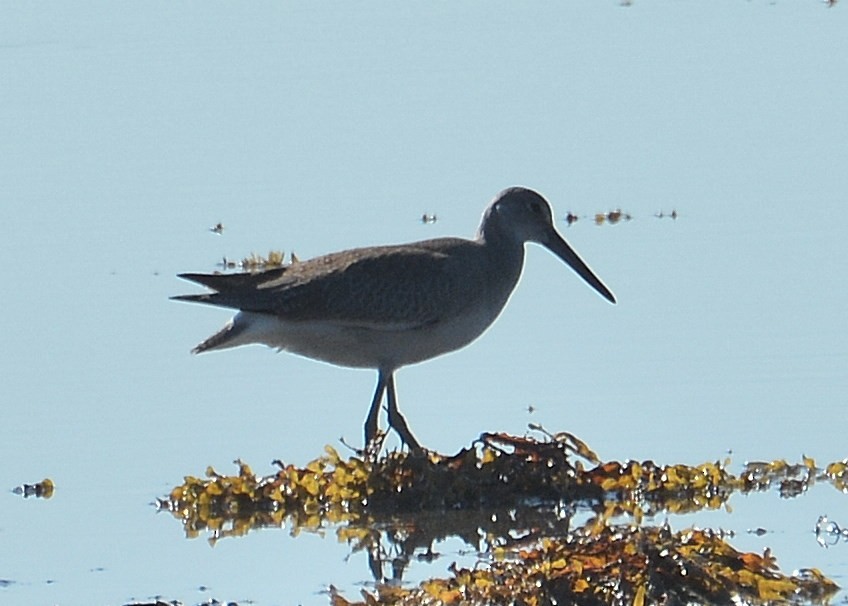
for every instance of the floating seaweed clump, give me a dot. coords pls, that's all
(519, 494)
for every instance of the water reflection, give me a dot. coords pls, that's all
(829, 532)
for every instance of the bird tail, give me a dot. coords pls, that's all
(223, 339)
(236, 291)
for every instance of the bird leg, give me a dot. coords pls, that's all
(396, 420)
(371, 421)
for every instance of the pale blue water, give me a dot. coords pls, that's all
(129, 131)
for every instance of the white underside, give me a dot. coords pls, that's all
(355, 347)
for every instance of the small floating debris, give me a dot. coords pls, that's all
(256, 262)
(218, 228)
(226, 263)
(612, 217)
(662, 215)
(428, 219)
(158, 602)
(42, 490)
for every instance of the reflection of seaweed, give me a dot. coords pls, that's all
(618, 565)
(512, 499)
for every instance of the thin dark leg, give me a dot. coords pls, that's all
(374, 411)
(396, 420)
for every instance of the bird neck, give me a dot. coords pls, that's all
(502, 250)
(494, 233)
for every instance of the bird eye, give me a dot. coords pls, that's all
(536, 207)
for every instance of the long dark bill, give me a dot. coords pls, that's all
(560, 248)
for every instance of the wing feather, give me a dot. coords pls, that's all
(388, 287)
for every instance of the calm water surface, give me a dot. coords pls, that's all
(131, 133)
(119, 426)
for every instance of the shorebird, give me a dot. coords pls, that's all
(384, 307)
